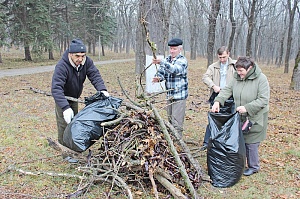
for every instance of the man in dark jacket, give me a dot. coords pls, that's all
(68, 78)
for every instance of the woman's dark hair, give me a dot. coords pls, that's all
(244, 62)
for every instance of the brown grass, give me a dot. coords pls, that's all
(27, 119)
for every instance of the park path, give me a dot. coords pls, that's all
(42, 69)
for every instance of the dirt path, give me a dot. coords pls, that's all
(42, 69)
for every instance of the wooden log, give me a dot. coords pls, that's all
(176, 193)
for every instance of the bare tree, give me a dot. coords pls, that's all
(292, 10)
(140, 54)
(215, 8)
(233, 24)
(154, 27)
(250, 14)
(193, 11)
(127, 9)
(295, 81)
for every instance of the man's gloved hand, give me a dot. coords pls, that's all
(105, 93)
(68, 115)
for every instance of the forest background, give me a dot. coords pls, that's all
(267, 30)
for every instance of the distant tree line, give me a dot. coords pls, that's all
(267, 30)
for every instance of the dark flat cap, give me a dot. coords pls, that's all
(77, 46)
(175, 42)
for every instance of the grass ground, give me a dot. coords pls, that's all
(27, 119)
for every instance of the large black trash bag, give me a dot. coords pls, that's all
(229, 105)
(85, 128)
(226, 153)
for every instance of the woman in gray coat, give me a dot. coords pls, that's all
(251, 93)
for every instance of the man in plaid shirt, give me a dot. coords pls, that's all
(173, 69)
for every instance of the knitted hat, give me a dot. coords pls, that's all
(77, 46)
(175, 42)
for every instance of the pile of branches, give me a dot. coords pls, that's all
(141, 150)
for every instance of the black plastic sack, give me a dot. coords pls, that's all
(229, 105)
(85, 128)
(226, 153)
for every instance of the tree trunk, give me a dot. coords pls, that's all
(155, 26)
(140, 54)
(50, 54)
(295, 82)
(251, 26)
(280, 56)
(156, 18)
(215, 8)
(94, 47)
(27, 52)
(233, 26)
(193, 10)
(103, 53)
(289, 37)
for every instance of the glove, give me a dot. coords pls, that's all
(68, 115)
(105, 93)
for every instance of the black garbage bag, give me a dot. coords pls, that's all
(85, 128)
(229, 105)
(226, 152)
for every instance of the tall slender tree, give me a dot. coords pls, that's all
(215, 8)
(233, 24)
(291, 9)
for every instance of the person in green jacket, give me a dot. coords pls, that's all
(251, 92)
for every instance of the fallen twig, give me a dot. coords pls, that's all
(50, 94)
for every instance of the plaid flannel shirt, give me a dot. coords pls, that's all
(174, 72)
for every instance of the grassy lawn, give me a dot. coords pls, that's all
(27, 119)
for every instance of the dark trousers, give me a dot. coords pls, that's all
(61, 123)
(252, 156)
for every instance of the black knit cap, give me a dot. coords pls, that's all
(175, 42)
(77, 46)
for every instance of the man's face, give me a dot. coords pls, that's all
(224, 57)
(174, 51)
(77, 58)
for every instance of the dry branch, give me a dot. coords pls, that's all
(174, 152)
(13, 168)
(187, 151)
(50, 94)
(176, 193)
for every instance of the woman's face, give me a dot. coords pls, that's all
(242, 72)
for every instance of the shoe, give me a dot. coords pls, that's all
(249, 172)
(70, 160)
(204, 147)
